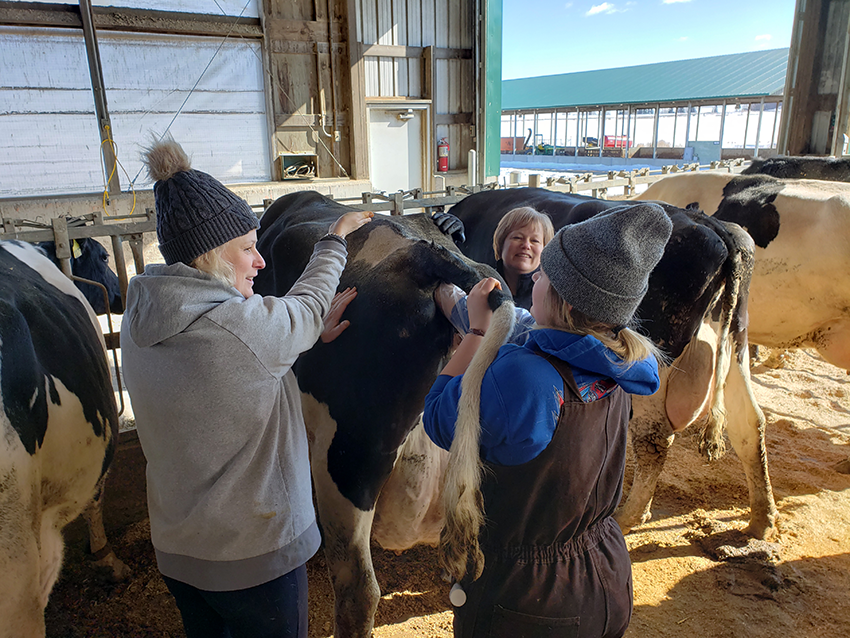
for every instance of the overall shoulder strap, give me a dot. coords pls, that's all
(562, 368)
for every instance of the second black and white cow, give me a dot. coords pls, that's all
(363, 393)
(695, 311)
(59, 423)
(90, 260)
(801, 228)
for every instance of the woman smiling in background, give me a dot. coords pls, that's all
(517, 243)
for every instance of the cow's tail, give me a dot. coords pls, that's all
(732, 319)
(462, 499)
(712, 443)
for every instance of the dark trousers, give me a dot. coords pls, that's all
(276, 609)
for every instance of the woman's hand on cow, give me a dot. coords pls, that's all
(333, 326)
(477, 305)
(351, 222)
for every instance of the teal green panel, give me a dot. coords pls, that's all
(492, 86)
(759, 73)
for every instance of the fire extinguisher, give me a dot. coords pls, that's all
(443, 156)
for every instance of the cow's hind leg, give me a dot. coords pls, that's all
(99, 546)
(25, 583)
(746, 428)
(356, 591)
(346, 531)
(651, 438)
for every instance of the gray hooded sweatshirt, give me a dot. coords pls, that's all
(218, 413)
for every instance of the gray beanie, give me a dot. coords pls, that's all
(601, 266)
(194, 211)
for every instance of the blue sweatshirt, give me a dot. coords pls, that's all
(521, 394)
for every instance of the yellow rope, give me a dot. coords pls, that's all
(112, 173)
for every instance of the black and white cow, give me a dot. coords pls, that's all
(828, 169)
(59, 423)
(363, 393)
(90, 260)
(703, 276)
(798, 295)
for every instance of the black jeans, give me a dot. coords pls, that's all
(276, 609)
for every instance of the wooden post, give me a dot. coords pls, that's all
(357, 127)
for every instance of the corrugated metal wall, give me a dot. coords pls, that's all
(446, 25)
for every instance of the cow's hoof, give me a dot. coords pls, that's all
(775, 360)
(842, 466)
(712, 449)
(113, 568)
(762, 531)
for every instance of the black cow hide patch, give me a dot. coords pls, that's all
(749, 202)
(46, 334)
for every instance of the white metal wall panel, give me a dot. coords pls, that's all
(414, 39)
(439, 23)
(386, 35)
(49, 142)
(369, 35)
(441, 26)
(246, 8)
(223, 121)
(402, 82)
(429, 37)
(218, 7)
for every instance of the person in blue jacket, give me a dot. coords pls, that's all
(555, 405)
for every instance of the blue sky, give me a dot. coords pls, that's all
(545, 37)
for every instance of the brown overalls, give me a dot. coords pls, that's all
(556, 563)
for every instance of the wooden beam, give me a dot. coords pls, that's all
(301, 30)
(453, 118)
(394, 51)
(358, 126)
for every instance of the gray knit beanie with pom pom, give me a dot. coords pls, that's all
(601, 266)
(194, 211)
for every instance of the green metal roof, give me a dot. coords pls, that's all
(761, 73)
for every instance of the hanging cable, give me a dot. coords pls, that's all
(106, 180)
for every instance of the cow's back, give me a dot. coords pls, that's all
(833, 169)
(702, 190)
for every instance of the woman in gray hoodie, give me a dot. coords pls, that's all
(208, 367)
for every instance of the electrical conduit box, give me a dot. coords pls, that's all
(298, 165)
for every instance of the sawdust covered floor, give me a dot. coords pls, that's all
(688, 580)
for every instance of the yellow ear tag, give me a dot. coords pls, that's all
(76, 250)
